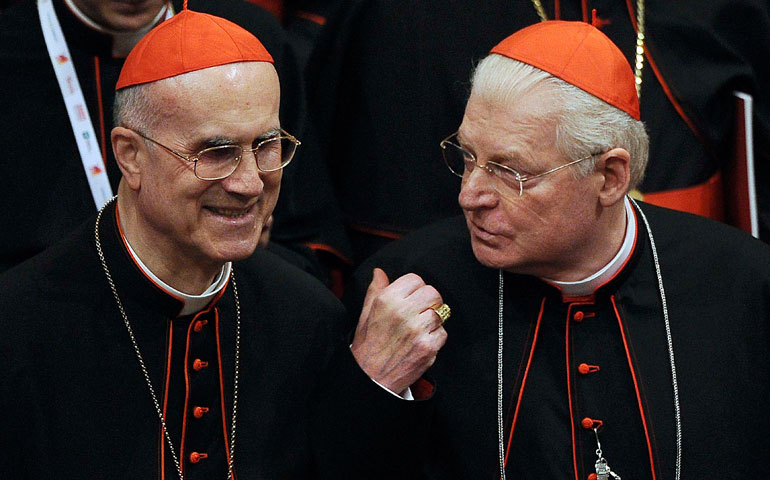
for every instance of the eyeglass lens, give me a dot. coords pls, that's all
(457, 159)
(221, 161)
(460, 161)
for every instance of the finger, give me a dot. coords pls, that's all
(421, 300)
(379, 282)
(429, 320)
(440, 336)
(442, 312)
(425, 297)
(405, 285)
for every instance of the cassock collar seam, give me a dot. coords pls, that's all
(178, 302)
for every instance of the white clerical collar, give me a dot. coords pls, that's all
(590, 284)
(192, 303)
(122, 42)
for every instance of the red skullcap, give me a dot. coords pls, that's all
(579, 54)
(187, 42)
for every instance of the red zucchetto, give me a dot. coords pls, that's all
(579, 54)
(187, 42)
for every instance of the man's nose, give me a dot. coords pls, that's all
(477, 190)
(246, 179)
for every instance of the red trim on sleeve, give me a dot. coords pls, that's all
(313, 17)
(524, 381)
(374, 231)
(326, 248)
(422, 389)
(276, 7)
(705, 199)
(636, 386)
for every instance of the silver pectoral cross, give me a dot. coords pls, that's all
(603, 470)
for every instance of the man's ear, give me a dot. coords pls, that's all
(615, 168)
(128, 146)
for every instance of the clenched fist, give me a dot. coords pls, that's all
(398, 334)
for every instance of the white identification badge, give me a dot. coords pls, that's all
(82, 128)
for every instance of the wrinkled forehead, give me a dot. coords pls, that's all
(253, 83)
(236, 101)
(523, 118)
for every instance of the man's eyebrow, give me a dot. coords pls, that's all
(273, 132)
(217, 142)
(221, 140)
(516, 159)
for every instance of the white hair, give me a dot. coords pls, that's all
(585, 124)
(135, 107)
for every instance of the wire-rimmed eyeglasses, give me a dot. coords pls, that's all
(461, 161)
(220, 161)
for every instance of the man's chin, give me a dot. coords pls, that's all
(236, 251)
(489, 256)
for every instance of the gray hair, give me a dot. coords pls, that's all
(135, 108)
(585, 124)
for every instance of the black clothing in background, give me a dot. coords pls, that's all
(717, 288)
(45, 193)
(388, 80)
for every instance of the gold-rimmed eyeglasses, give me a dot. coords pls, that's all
(220, 161)
(460, 161)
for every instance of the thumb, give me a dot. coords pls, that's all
(379, 282)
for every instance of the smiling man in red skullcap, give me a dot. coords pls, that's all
(59, 63)
(591, 337)
(157, 341)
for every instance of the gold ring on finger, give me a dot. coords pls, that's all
(443, 311)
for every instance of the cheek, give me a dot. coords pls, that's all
(272, 186)
(272, 180)
(521, 216)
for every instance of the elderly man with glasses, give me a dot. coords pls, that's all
(156, 341)
(591, 337)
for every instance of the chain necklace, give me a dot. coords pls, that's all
(139, 357)
(669, 341)
(639, 49)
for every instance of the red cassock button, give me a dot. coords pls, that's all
(198, 412)
(578, 316)
(592, 476)
(589, 423)
(585, 368)
(199, 364)
(196, 457)
(199, 325)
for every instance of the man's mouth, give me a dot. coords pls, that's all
(230, 212)
(480, 228)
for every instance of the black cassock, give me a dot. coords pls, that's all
(600, 360)
(77, 406)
